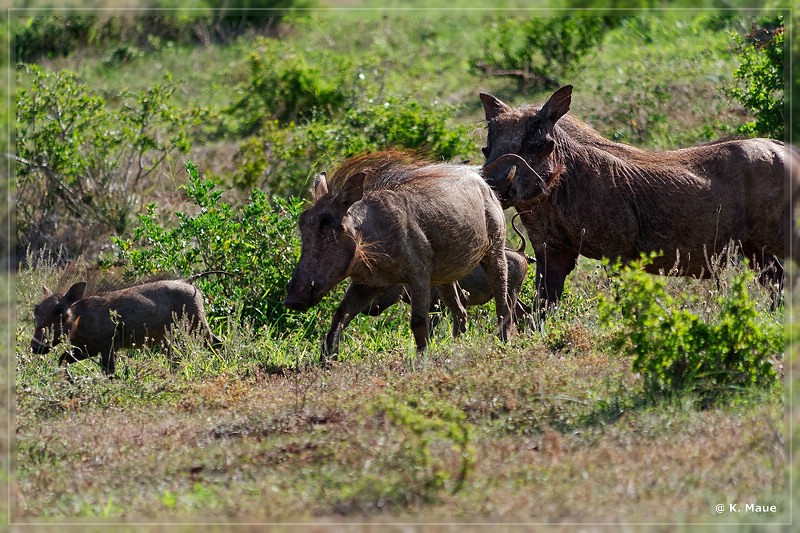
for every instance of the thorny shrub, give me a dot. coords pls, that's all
(82, 165)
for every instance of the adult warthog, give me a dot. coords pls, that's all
(581, 194)
(102, 323)
(385, 219)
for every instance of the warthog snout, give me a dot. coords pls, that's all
(503, 172)
(300, 296)
(40, 347)
(295, 304)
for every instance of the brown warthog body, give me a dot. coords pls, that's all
(579, 193)
(102, 323)
(406, 223)
(474, 289)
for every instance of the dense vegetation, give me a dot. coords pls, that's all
(160, 144)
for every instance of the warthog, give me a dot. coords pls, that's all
(385, 220)
(102, 323)
(473, 289)
(579, 193)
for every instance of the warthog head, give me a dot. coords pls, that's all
(520, 162)
(328, 243)
(50, 317)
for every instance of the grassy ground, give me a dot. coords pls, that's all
(551, 427)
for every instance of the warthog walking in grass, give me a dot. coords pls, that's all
(581, 194)
(385, 219)
(102, 323)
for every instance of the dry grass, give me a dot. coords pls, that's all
(555, 437)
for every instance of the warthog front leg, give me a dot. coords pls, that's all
(76, 354)
(552, 268)
(355, 299)
(420, 307)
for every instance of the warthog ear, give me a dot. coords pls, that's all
(46, 291)
(353, 189)
(493, 106)
(320, 185)
(556, 106)
(74, 293)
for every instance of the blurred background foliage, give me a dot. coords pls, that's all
(264, 94)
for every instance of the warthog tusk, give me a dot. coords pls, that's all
(519, 161)
(511, 174)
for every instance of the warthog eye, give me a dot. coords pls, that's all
(326, 221)
(541, 146)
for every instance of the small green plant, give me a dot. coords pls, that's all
(760, 78)
(677, 350)
(425, 419)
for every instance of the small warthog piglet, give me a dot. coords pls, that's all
(102, 323)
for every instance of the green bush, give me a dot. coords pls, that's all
(540, 51)
(760, 77)
(257, 241)
(82, 164)
(677, 350)
(283, 161)
(289, 87)
(50, 36)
